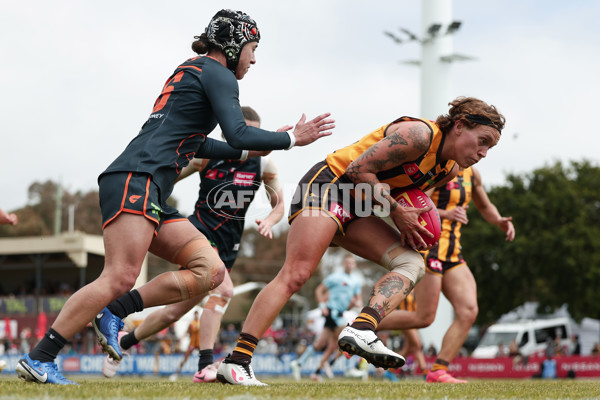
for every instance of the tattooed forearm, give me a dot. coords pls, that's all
(353, 170)
(391, 202)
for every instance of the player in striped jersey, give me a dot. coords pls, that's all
(334, 203)
(447, 271)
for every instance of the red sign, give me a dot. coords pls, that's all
(507, 367)
(71, 364)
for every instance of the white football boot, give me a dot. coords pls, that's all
(235, 373)
(367, 345)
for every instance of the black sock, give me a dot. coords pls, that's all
(128, 340)
(49, 347)
(206, 358)
(127, 304)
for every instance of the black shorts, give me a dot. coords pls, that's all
(226, 253)
(134, 193)
(334, 319)
(439, 267)
(320, 189)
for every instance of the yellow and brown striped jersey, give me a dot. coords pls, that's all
(422, 173)
(409, 303)
(455, 193)
(194, 332)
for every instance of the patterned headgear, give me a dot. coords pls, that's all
(229, 31)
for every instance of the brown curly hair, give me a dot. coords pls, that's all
(472, 112)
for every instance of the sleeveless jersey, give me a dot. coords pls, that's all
(194, 331)
(422, 173)
(226, 190)
(455, 193)
(200, 94)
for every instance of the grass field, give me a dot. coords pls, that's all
(153, 388)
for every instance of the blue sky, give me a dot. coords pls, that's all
(79, 78)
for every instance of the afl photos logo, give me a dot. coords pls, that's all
(229, 199)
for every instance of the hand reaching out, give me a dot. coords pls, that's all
(264, 227)
(307, 132)
(10, 219)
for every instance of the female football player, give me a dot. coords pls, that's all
(201, 93)
(333, 205)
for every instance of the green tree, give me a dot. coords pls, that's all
(38, 217)
(555, 257)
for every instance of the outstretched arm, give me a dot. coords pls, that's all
(223, 92)
(488, 210)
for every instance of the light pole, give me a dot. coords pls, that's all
(436, 54)
(437, 57)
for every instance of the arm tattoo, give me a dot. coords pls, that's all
(370, 152)
(353, 170)
(420, 137)
(395, 139)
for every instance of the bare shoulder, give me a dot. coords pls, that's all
(476, 177)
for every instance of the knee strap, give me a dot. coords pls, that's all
(201, 263)
(217, 302)
(406, 262)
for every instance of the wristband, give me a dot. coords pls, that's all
(244, 155)
(292, 140)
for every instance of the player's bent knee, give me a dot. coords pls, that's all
(426, 320)
(467, 314)
(203, 271)
(403, 261)
(123, 285)
(292, 279)
(225, 289)
(295, 284)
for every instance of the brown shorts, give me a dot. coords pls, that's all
(321, 190)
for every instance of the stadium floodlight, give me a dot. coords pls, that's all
(434, 29)
(453, 27)
(456, 57)
(433, 33)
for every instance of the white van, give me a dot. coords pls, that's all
(531, 336)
